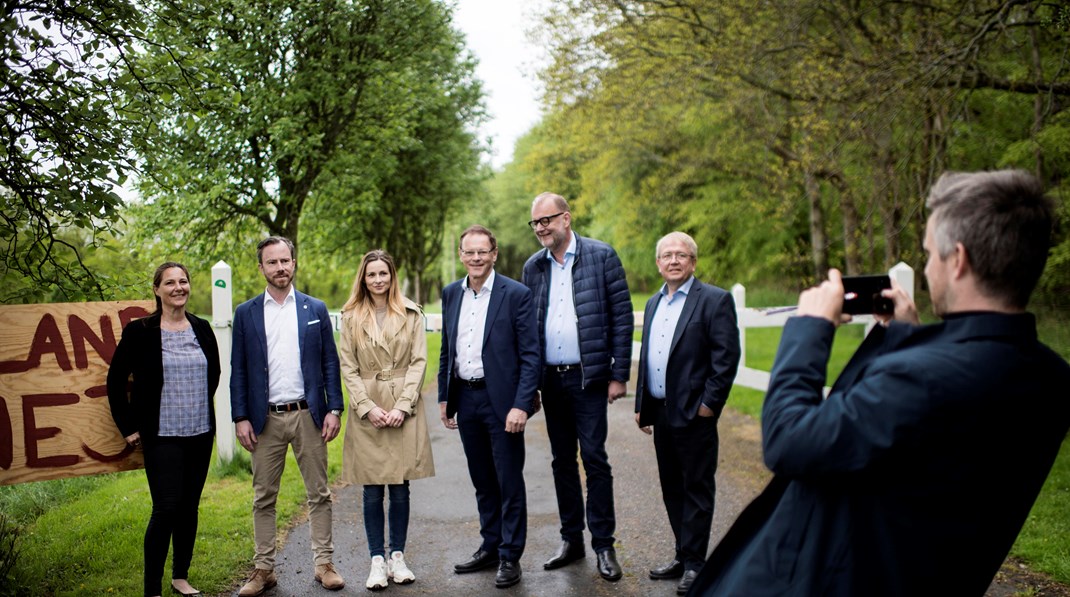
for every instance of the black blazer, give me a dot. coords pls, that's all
(703, 356)
(140, 355)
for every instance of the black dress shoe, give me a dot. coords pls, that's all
(608, 566)
(508, 574)
(686, 581)
(480, 560)
(674, 569)
(568, 553)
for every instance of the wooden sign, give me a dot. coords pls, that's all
(54, 415)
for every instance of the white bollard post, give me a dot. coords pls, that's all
(904, 274)
(739, 295)
(222, 318)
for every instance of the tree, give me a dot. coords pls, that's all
(64, 148)
(843, 111)
(286, 114)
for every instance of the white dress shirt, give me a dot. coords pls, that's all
(662, 329)
(285, 381)
(562, 329)
(471, 325)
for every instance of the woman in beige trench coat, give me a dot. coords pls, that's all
(383, 354)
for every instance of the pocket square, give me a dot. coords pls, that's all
(314, 321)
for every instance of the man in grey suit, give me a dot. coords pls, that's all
(686, 367)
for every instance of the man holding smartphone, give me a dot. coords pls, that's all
(886, 486)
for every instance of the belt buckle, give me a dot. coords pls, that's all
(381, 376)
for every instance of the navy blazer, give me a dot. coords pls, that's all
(703, 356)
(913, 477)
(511, 361)
(139, 355)
(248, 361)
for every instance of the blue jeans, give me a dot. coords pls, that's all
(374, 520)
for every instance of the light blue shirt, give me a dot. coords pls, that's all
(471, 325)
(659, 341)
(562, 331)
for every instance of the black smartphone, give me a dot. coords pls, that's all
(862, 295)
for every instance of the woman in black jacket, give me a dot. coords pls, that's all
(160, 385)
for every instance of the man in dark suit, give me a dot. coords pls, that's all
(916, 473)
(487, 381)
(686, 367)
(285, 389)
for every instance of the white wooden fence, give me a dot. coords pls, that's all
(223, 313)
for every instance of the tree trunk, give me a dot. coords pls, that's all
(818, 238)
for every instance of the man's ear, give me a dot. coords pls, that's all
(961, 261)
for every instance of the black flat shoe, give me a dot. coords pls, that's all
(608, 566)
(686, 582)
(480, 560)
(672, 570)
(508, 574)
(568, 552)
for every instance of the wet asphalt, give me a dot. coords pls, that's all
(444, 524)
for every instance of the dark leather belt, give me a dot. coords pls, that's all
(286, 407)
(562, 368)
(476, 383)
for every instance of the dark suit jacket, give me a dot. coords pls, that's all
(703, 357)
(248, 361)
(140, 354)
(916, 474)
(511, 361)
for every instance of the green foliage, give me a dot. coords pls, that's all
(348, 121)
(64, 150)
(788, 137)
(9, 550)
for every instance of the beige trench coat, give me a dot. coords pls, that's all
(390, 375)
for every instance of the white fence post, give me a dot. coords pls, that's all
(904, 275)
(222, 317)
(739, 295)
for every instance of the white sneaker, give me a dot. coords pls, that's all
(378, 574)
(399, 570)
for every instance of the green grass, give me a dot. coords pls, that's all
(85, 530)
(1045, 539)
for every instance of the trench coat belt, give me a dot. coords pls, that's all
(385, 374)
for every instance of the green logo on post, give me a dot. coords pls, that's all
(220, 283)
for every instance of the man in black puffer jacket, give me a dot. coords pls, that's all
(585, 329)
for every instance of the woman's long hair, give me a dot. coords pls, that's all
(360, 298)
(157, 278)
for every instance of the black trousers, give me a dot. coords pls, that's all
(687, 464)
(176, 468)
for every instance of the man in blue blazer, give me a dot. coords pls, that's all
(285, 389)
(687, 364)
(488, 376)
(917, 472)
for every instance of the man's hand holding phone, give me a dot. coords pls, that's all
(838, 298)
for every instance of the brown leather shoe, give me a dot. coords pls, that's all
(260, 581)
(329, 578)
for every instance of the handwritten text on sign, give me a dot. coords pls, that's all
(54, 415)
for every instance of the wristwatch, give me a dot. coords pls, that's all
(336, 412)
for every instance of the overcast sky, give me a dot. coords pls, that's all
(507, 63)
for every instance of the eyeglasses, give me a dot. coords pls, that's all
(677, 256)
(480, 253)
(544, 222)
